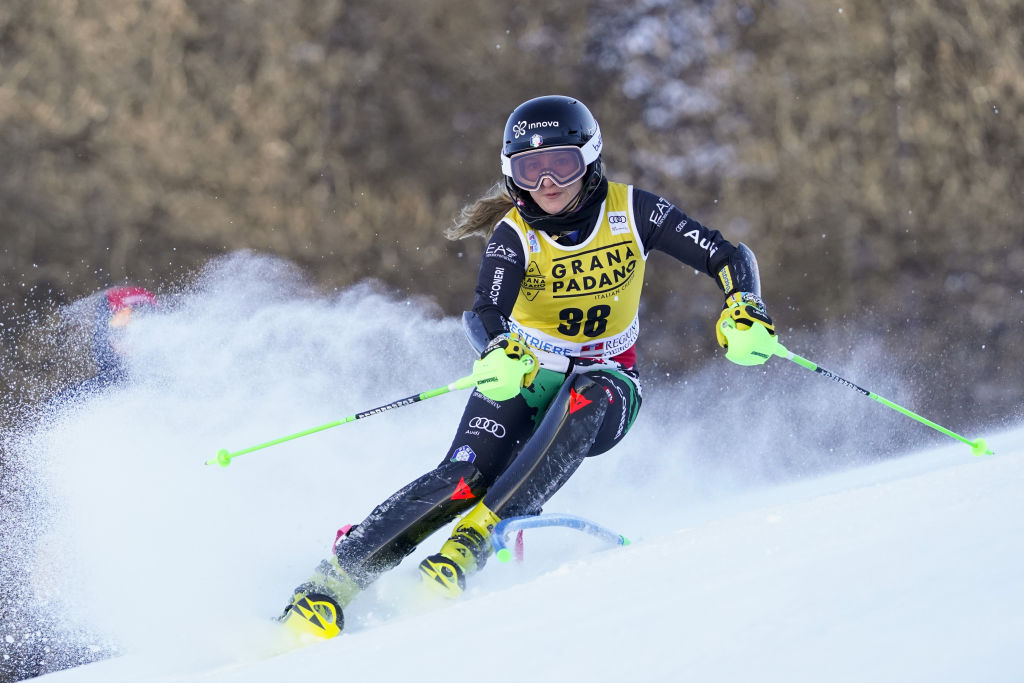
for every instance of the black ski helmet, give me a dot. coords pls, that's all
(552, 121)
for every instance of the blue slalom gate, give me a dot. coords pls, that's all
(507, 527)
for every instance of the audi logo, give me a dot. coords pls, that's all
(486, 425)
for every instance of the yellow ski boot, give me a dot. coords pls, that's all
(464, 553)
(316, 606)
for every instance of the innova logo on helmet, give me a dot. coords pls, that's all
(519, 128)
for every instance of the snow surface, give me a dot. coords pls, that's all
(903, 569)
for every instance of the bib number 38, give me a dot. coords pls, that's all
(593, 322)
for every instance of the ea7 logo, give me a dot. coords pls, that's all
(660, 211)
(499, 251)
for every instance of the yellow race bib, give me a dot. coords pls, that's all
(583, 300)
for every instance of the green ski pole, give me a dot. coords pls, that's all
(755, 344)
(498, 376)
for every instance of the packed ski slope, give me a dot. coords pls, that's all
(908, 571)
(751, 559)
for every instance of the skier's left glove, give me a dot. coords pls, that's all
(744, 311)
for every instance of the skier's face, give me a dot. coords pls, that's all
(116, 329)
(552, 198)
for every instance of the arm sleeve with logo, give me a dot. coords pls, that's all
(663, 227)
(497, 286)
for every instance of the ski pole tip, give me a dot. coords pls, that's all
(223, 458)
(980, 448)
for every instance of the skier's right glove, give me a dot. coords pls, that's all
(515, 348)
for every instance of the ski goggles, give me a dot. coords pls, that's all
(564, 165)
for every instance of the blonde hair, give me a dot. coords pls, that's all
(482, 216)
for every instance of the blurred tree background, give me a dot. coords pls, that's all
(870, 154)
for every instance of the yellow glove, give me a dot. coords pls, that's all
(515, 348)
(745, 310)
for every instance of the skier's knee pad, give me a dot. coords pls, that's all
(558, 446)
(464, 481)
(622, 400)
(586, 393)
(444, 492)
(574, 414)
(400, 523)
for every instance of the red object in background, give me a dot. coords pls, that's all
(126, 297)
(342, 533)
(122, 300)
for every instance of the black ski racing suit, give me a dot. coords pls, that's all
(516, 454)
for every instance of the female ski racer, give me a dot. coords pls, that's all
(559, 283)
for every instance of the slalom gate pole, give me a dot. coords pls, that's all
(978, 447)
(508, 526)
(499, 377)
